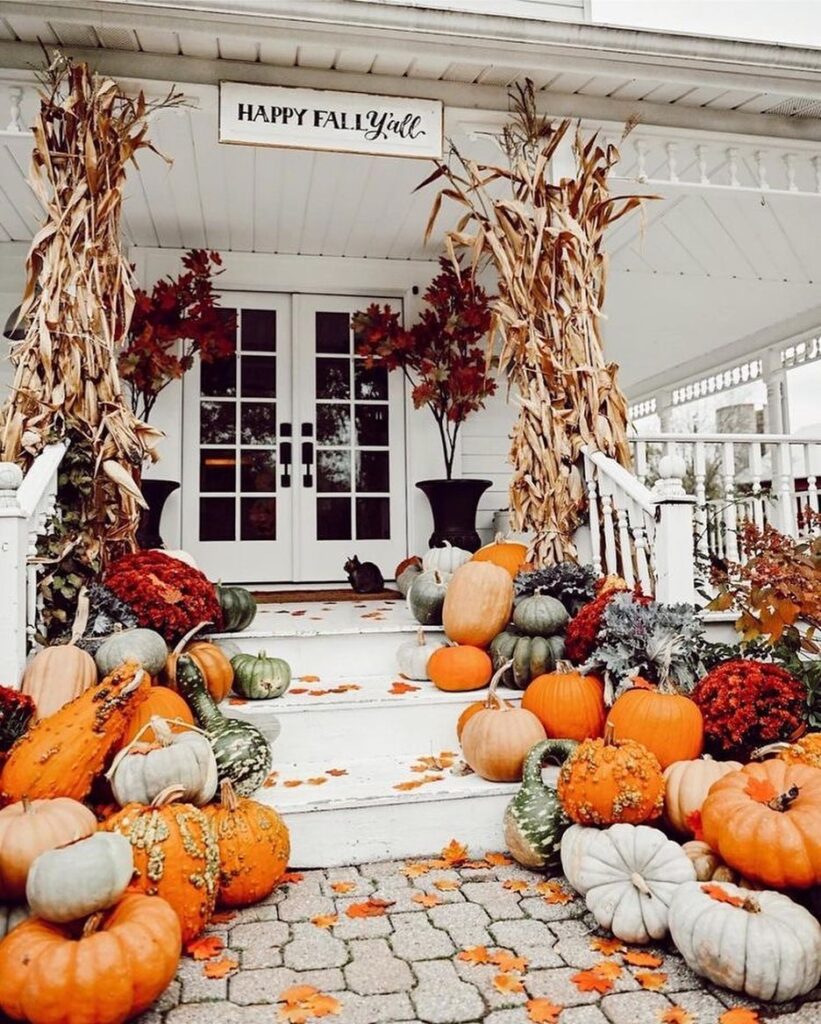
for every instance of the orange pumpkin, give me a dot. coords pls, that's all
(507, 554)
(61, 755)
(109, 971)
(457, 669)
(568, 704)
(667, 723)
(765, 821)
(605, 781)
(56, 675)
(175, 856)
(478, 603)
(806, 750)
(466, 715)
(161, 703)
(211, 660)
(254, 847)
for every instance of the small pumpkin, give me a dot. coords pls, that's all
(143, 647)
(765, 822)
(708, 865)
(457, 669)
(496, 740)
(507, 554)
(406, 573)
(568, 704)
(575, 841)
(258, 677)
(446, 558)
(540, 615)
(606, 781)
(426, 597)
(806, 750)
(761, 943)
(630, 874)
(412, 656)
(160, 703)
(12, 914)
(532, 656)
(477, 604)
(175, 856)
(239, 608)
(31, 827)
(108, 972)
(212, 660)
(686, 785)
(667, 723)
(142, 770)
(56, 675)
(254, 847)
(81, 878)
(534, 819)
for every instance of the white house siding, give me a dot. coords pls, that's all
(485, 446)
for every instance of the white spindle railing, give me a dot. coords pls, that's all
(26, 504)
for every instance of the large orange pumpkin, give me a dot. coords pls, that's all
(175, 856)
(62, 754)
(765, 821)
(667, 723)
(507, 554)
(107, 972)
(605, 781)
(160, 703)
(568, 704)
(56, 675)
(211, 660)
(457, 669)
(254, 847)
(478, 603)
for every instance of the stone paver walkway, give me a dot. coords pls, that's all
(403, 966)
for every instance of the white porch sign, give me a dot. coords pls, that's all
(350, 122)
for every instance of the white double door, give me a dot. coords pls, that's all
(293, 451)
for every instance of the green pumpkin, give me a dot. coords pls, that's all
(427, 596)
(238, 608)
(531, 656)
(258, 677)
(242, 752)
(534, 821)
(144, 646)
(405, 579)
(540, 615)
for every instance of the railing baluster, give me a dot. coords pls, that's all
(593, 514)
(700, 511)
(641, 542)
(786, 507)
(611, 564)
(756, 471)
(640, 459)
(625, 547)
(810, 452)
(730, 517)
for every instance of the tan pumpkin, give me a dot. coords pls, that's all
(478, 603)
(709, 866)
(507, 554)
(211, 660)
(497, 739)
(686, 785)
(56, 675)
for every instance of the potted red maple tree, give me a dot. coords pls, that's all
(177, 320)
(444, 358)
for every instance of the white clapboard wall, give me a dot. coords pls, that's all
(485, 449)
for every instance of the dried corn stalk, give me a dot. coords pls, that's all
(546, 242)
(77, 305)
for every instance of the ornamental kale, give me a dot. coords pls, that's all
(574, 585)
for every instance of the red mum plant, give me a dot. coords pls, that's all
(165, 594)
(749, 703)
(442, 356)
(583, 629)
(16, 710)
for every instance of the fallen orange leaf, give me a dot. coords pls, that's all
(507, 962)
(415, 870)
(606, 946)
(426, 899)
(292, 876)
(447, 885)
(337, 772)
(516, 885)
(318, 693)
(715, 892)
(761, 790)
(325, 920)
(474, 955)
(542, 1011)
(343, 887)
(454, 853)
(507, 983)
(607, 968)
(219, 968)
(205, 948)
(235, 701)
(270, 780)
(554, 893)
(373, 907)
(651, 980)
(298, 689)
(303, 1002)
(309, 679)
(500, 860)
(676, 1015)
(397, 688)
(739, 1015)
(290, 783)
(638, 958)
(405, 787)
(318, 780)
(592, 981)
(222, 916)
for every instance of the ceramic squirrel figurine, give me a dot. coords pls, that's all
(364, 577)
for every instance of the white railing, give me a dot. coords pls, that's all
(26, 504)
(766, 478)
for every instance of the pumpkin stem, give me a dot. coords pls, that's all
(189, 636)
(783, 800)
(92, 924)
(135, 683)
(168, 796)
(27, 808)
(640, 884)
(769, 750)
(492, 700)
(81, 618)
(228, 796)
(420, 637)
(262, 654)
(609, 735)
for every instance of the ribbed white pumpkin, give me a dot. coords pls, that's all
(629, 874)
(768, 947)
(412, 656)
(80, 879)
(575, 841)
(12, 914)
(445, 559)
(139, 773)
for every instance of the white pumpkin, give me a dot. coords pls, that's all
(141, 771)
(629, 874)
(686, 785)
(79, 879)
(445, 559)
(412, 656)
(760, 943)
(12, 914)
(575, 841)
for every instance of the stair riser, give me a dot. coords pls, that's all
(338, 656)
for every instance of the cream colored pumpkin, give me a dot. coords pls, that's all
(758, 943)
(80, 879)
(478, 603)
(686, 785)
(12, 914)
(412, 656)
(56, 675)
(630, 874)
(709, 866)
(445, 559)
(575, 841)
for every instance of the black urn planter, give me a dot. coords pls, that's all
(453, 504)
(156, 494)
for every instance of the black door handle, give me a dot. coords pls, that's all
(285, 456)
(307, 463)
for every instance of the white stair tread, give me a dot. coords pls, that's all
(307, 618)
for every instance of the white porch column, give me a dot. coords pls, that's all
(664, 409)
(13, 548)
(777, 413)
(777, 421)
(674, 559)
